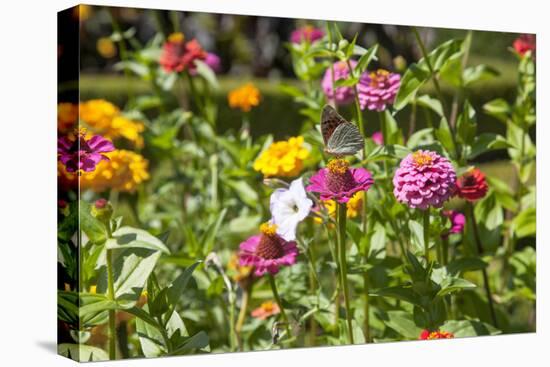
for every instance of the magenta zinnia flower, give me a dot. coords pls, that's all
(268, 251)
(424, 179)
(339, 182)
(82, 152)
(307, 33)
(378, 138)
(378, 89)
(340, 95)
(458, 220)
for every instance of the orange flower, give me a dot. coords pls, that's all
(67, 115)
(266, 309)
(244, 97)
(438, 334)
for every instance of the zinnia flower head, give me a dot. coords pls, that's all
(338, 181)
(307, 33)
(353, 206)
(458, 220)
(339, 95)
(67, 115)
(124, 171)
(378, 89)
(267, 252)
(178, 55)
(283, 158)
(106, 119)
(288, 208)
(472, 185)
(525, 43)
(438, 334)
(424, 179)
(106, 47)
(81, 152)
(244, 97)
(266, 310)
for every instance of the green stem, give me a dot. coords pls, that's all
(445, 243)
(329, 32)
(479, 248)
(279, 303)
(426, 215)
(112, 314)
(358, 113)
(341, 218)
(242, 315)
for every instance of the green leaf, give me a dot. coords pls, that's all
(207, 73)
(498, 108)
(348, 82)
(420, 137)
(465, 328)
(403, 323)
(525, 223)
(417, 74)
(129, 237)
(244, 191)
(388, 151)
(452, 284)
(211, 232)
(82, 352)
(150, 337)
(365, 60)
(432, 103)
(178, 286)
(377, 247)
(478, 73)
(198, 341)
(466, 125)
(486, 142)
(444, 135)
(417, 235)
(90, 225)
(402, 293)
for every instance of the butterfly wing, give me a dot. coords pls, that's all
(345, 140)
(330, 120)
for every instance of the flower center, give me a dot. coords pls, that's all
(339, 177)
(378, 76)
(270, 246)
(177, 37)
(422, 159)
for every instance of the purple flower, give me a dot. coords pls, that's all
(339, 182)
(306, 33)
(378, 89)
(267, 252)
(340, 95)
(424, 179)
(458, 220)
(82, 152)
(378, 138)
(213, 61)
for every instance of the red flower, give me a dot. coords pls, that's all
(178, 55)
(438, 334)
(472, 185)
(525, 43)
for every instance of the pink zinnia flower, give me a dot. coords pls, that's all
(339, 182)
(378, 89)
(268, 251)
(378, 138)
(213, 61)
(525, 43)
(178, 55)
(82, 152)
(458, 220)
(340, 95)
(424, 179)
(307, 33)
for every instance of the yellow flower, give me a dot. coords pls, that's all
(82, 12)
(106, 47)
(176, 37)
(124, 171)
(237, 272)
(244, 97)
(353, 209)
(283, 158)
(105, 118)
(67, 115)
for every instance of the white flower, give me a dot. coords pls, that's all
(288, 208)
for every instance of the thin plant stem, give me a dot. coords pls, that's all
(279, 303)
(332, 78)
(479, 248)
(111, 296)
(242, 315)
(445, 245)
(426, 215)
(341, 210)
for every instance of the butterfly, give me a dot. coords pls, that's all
(340, 136)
